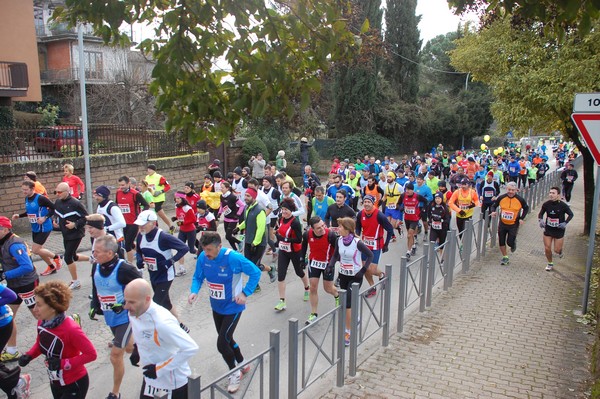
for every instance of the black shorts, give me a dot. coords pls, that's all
(179, 393)
(71, 247)
(346, 284)
(158, 205)
(411, 224)
(130, 233)
(121, 334)
(424, 216)
(25, 292)
(161, 294)
(40, 238)
(316, 273)
(554, 232)
(273, 223)
(507, 233)
(438, 236)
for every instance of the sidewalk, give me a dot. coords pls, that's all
(499, 332)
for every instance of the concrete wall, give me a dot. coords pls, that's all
(105, 170)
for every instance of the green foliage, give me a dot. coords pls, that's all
(273, 54)
(49, 114)
(274, 136)
(252, 146)
(7, 120)
(357, 145)
(71, 150)
(292, 155)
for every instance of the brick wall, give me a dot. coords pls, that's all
(105, 170)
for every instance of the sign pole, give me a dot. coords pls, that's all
(590, 255)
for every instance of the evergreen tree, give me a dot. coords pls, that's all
(402, 38)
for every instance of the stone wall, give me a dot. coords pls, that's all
(105, 170)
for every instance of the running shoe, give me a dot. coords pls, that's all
(257, 289)
(560, 254)
(172, 230)
(49, 270)
(505, 261)
(245, 369)
(413, 251)
(311, 318)
(371, 293)
(280, 305)
(306, 295)
(549, 267)
(514, 247)
(113, 396)
(234, 382)
(408, 256)
(272, 275)
(184, 327)
(76, 318)
(58, 262)
(347, 338)
(9, 357)
(337, 301)
(22, 390)
(181, 272)
(394, 238)
(75, 285)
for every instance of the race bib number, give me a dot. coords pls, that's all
(54, 375)
(125, 208)
(32, 218)
(512, 169)
(226, 210)
(488, 194)
(28, 298)
(317, 264)
(370, 242)
(216, 291)
(552, 222)
(347, 269)
(285, 246)
(410, 210)
(107, 302)
(336, 230)
(465, 207)
(151, 262)
(506, 215)
(570, 179)
(436, 225)
(391, 206)
(150, 390)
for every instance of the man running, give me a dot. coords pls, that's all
(114, 222)
(159, 186)
(488, 191)
(320, 242)
(462, 202)
(39, 211)
(410, 201)
(131, 202)
(371, 223)
(338, 210)
(110, 275)
(568, 178)
(554, 224)
(513, 210)
(393, 191)
(337, 186)
(222, 269)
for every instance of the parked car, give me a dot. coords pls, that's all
(60, 141)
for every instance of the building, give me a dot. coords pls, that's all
(19, 67)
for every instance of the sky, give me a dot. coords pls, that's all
(436, 19)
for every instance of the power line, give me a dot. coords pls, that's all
(427, 66)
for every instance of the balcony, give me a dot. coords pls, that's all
(51, 76)
(56, 31)
(14, 81)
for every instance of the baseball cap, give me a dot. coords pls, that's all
(145, 217)
(5, 222)
(465, 181)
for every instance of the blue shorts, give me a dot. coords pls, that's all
(376, 256)
(393, 213)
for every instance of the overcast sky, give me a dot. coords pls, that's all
(436, 19)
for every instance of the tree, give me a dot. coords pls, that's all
(403, 44)
(534, 80)
(218, 62)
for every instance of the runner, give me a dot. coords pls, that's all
(320, 242)
(154, 248)
(320, 203)
(393, 192)
(423, 190)
(289, 239)
(338, 210)
(164, 358)
(39, 211)
(110, 275)
(71, 221)
(375, 190)
(351, 269)
(286, 192)
(39, 188)
(76, 186)
(222, 268)
(239, 184)
(21, 277)
(409, 202)
(568, 177)
(114, 222)
(231, 209)
(131, 202)
(274, 196)
(337, 186)
(462, 202)
(439, 217)
(147, 194)
(554, 224)
(371, 223)
(190, 195)
(488, 191)
(185, 218)
(513, 210)
(159, 186)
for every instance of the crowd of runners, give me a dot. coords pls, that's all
(333, 229)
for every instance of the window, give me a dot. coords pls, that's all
(93, 64)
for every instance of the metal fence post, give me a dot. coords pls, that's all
(451, 262)
(387, 306)
(341, 347)
(430, 273)
(423, 282)
(160, 394)
(466, 245)
(354, 329)
(274, 353)
(494, 232)
(486, 229)
(293, 358)
(194, 387)
(479, 241)
(401, 295)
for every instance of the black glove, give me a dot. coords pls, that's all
(252, 249)
(150, 371)
(157, 193)
(360, 273)
(135, 356)
(53, 363)
(462, 213)
(385, 248)
(328, 272)
(235, 230)
(562, 225)
(173, 219)
(117, 308)
(24, 360)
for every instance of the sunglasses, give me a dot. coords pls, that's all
(59, 192)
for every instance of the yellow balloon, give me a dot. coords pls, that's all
(483, 147)
(486, 138)
(496, 151)
(500, 150)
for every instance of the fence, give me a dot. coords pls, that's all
(370, 316)
(20, 145)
